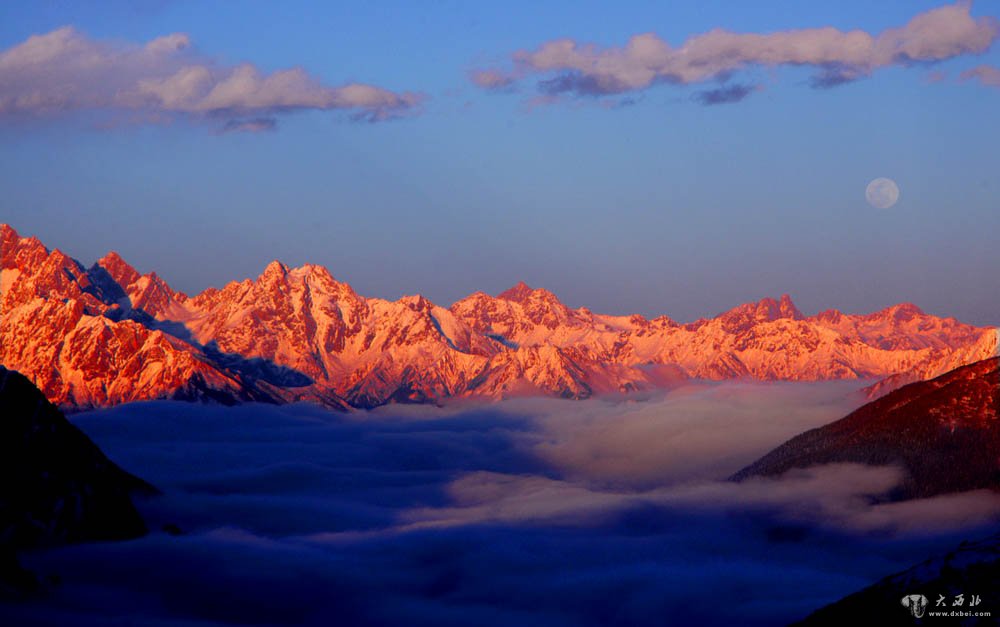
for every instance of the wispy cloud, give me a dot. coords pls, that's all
(566, 66)
(936, 76)
(491, 79)
(65, 71)
(985, 74)
(835, 497)
(254, 125)
(724, 95)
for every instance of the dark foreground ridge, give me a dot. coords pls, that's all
(965, 580)
(944, 433)
(56, 486)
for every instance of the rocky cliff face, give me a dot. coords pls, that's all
(104, 335)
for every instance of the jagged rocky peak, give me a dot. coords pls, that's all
(523, 293)
(765, 310)
(906, 311)
(17, 251)
(56, 275)
(900, 312)
(149, 293)
(308, 274)
(8, 235)
(476, 296)
(768, 309)
(280, 280)
(787, 309)
(319, 279)
(60, 261)
(274, 271)
(417, 303)
(518, 294)
(831, 316)
(479, 304)
(314, 270)
(663, 321)
(534, 298)
(118, 269)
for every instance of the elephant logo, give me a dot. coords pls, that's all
(916, 603)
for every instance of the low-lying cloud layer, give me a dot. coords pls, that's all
(166, 78)
(534, 512)
(569, 67)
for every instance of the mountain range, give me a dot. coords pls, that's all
(105, 334)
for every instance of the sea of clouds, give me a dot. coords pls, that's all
(526, 512)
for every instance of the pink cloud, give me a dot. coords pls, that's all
(491, 79)
(255, 125)
(568, 66)
(985, 74)
(65, 70)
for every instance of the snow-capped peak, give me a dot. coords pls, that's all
(518, 294)
(118, 269)
(109, 335)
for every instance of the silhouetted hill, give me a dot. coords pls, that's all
(56, 486)
(971, 570)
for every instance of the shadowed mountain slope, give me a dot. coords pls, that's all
(944, 432)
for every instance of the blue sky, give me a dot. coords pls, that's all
(664, 206)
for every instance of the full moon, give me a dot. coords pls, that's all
(882, 193)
